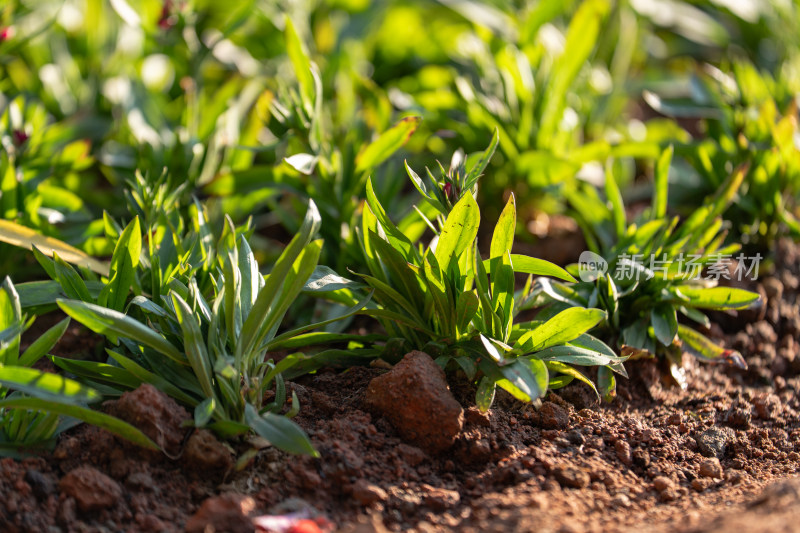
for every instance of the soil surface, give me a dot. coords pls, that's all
(721, 455)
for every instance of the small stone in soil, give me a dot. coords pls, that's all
(476, 417)
(765, 405)
(713, 441)
(206, 455)
(367, 493)
(440, 499)
(415, 398)
(572, 477)
(711, 468)
(623, 451)
(621, 500)
(411, 454)
(663, 483)
(227, 512)
(737, 417)
(552, 416)
(41, 485)
(91, 489)
(141, 481)
(156, 414)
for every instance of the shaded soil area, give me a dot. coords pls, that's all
(720, 455)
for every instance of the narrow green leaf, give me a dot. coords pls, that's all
(459, 231)
(95, 418)
(614, 196)
(46, 385)
(23, 237)
(279, 431)
(110, 322)
(718, 297)
(701, 347)
(475, 172)
(301, 63)
(484, 396)
(557, 366)
(194, 345)
(43, 344)
(661, 185)
(565, 326)
(524, 264)
(665, 323)
(386, 144)
(503, 235)
(204, 411)
(71, 283)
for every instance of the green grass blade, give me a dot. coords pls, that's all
(96, 418)
(46, 385)
(279, 431)
(386, 144)
(110, 322)
(43, 344)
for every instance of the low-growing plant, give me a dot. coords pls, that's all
(44, 178)
(445, 299)
(542, 76)
(35, 406)
(210, 350)
(750, 118)
(646, 274)
(327, 150)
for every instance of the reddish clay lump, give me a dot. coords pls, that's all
(414, 397)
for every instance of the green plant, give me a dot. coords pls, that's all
(36, 406)
(444, 299)
(327, 150)
(750, 118)
(210, 351)
(648, 273)
(44, 177)
(550, 80)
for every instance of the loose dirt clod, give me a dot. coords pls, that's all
(714, 441)
(415, 398)
(711, 468)
(229, 512)
(553, 416)
(156, 414)
(205, 455)
(367, 493)
(91, 489)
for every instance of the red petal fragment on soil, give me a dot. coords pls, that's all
(91, 489)
(156, 414)
(415, 398)
(229, 512)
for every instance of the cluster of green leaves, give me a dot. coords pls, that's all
(35, 406)
(750, 119)
(445, 299)
(653, 273)
(203, 337)
(41, 175)
(549, 85)
(264, 109)
(329, 147)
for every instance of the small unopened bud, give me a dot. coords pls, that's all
(166, 20)
(19, 137)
